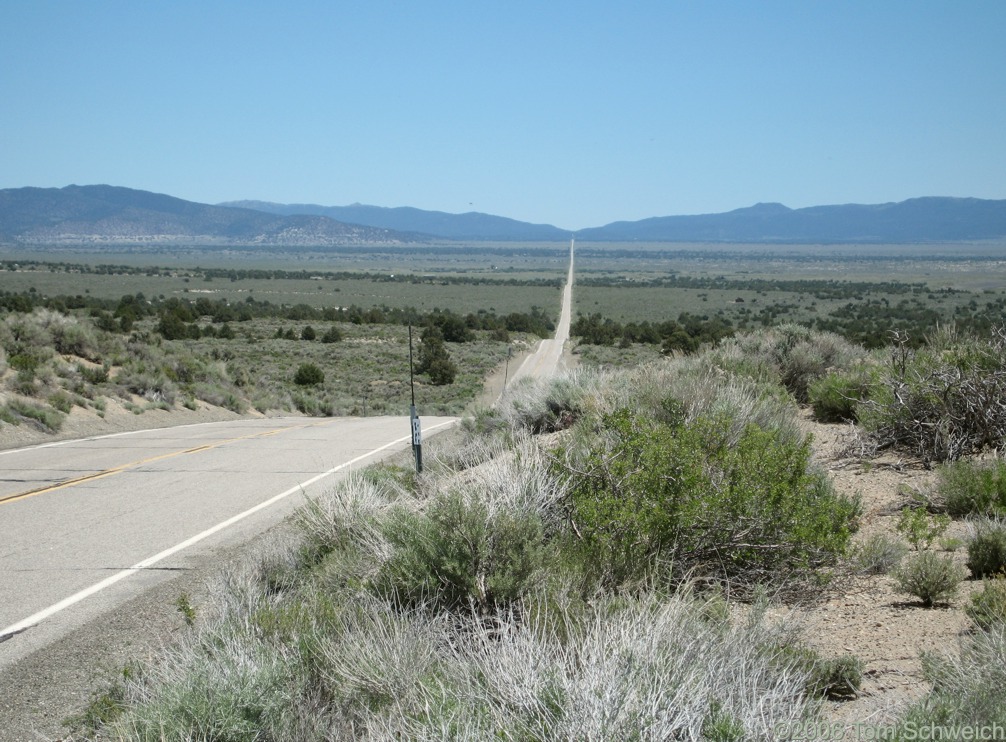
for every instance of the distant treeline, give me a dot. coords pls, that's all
(687, 334)
(871, 323)
(241, 274)
(819, 289)
(180, 318)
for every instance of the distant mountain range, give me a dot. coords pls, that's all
(102, 214)
(470, 226)
(933, 219)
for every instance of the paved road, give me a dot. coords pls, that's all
(86, 525)
(545, 360)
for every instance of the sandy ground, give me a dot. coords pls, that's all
(869, 618)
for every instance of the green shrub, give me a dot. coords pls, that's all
(70, 337)
(795, 355)
(970, 487)
(988, 607)
(308, 374)
(879, 554)
(835, 397)
(921, 529)
(47, 418)
(104, 706)
(458, 555)
(26, 363)
(332, 335)
(987, 548)
(931, 577)
(93, 375)
(61, 401)
(838, 678)
(681, 494)
(434, 359)
(441, 371)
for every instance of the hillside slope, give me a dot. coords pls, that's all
(934, 219)
(102, 214)
(472, 225)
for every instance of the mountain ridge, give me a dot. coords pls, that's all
(925, 219)
(104, 214)
(471, 225)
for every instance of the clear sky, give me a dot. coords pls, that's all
(570, 113)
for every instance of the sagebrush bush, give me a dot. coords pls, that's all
(747, 512)
(544, 405)
(349, 514)
(967, 688)
(988, 606)
(987, 548)
(973, 487)
(46, 417)
(879, 554)
(794, 355)
(837, 678)
(456, 555)
(930, 577)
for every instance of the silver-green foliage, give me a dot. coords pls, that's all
(790, 354)
(988, 606)
(967, 688)
(878, 554)
(932, 578)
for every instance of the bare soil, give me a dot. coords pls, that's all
(868, 618)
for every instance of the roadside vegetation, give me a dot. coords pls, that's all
(594, 558)
(620, 553)
(607, 555)
(60, 353)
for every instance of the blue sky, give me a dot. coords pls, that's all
(575, 114)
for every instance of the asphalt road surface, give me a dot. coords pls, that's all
(86, 525)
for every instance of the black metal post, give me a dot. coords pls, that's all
(506, 369)
(417, 435)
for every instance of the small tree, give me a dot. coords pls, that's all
(308, 333)
(308, 375)
(332, 335)
(434, 359)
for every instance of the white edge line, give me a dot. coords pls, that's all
(150, 561)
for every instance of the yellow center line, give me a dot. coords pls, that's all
(132, 464)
